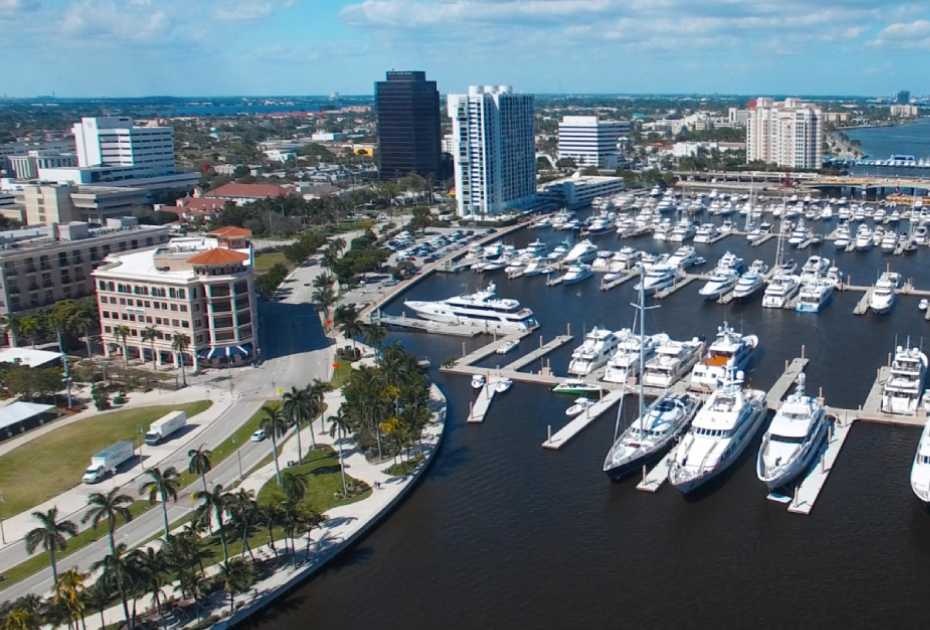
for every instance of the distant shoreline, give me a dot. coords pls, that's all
(879, 126)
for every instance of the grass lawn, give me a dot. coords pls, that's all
(266, 261)
(341, 373)
(39, 560)
(406, 467)
(55, 462)
(321, 467)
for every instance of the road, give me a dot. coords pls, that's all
(295, 351)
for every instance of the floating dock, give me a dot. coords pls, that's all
(681, 282)
(481, 405)
(780, 389)
(806, 494)
(764, 239)
(862, 307)
(607, 286)
(654, 479)
(538, 353)
(576, 425)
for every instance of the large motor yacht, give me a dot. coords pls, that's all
(864, 240)
(720, 432)
(598, 345)
(750, 282)
(477, 309)
(905, 384)
(624, 362)
(583, 252)
(814, 295)
(672, 360)
(793, 440)
(920, 469)
(657, 277)
(883, 294)
(729, 349)
(576, 273)
(722, 281)
(781, 291)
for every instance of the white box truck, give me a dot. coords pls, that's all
(165, 426)
(105, 462)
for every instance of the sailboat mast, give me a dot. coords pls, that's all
(642, 342)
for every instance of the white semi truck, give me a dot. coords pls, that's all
(164, 427)
(105, 462)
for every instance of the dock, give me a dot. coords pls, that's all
(682, 282)
(780, 389)
(764, 239)
(807, 492)
(491, 348)
(607, 286)
(539, 353)
(440, 328)
(576, 425)
(862, 307)
(654, 479)
(479, 408)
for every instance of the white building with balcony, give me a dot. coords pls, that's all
(590, 141)
(787, 133)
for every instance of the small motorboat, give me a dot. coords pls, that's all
(576, 386)
(507, 346)
(503, 385)
(580, 406)
(477, 381)
(923, 304)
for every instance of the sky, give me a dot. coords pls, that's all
(114, 48)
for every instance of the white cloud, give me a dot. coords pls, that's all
(235, 10)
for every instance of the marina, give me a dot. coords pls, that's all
(573, 428)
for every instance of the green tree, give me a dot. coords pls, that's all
(294, 486)
(298, 407)
(121, 333)
(117, 570)
(347, 321)
(32, 328)
(150, 334)
(180, 343)
(217, 501)
(111, 507)
(323, 299)
(374, 336)
(339, 424)
(163, 485)
(237, 576)
(274, 423)
(200, 463)
(52, 535)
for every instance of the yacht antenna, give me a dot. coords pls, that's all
(642, 308)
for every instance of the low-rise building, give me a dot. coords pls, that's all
(578, 190)
(64, 203)
(27, 166)
(43, 265)
(244, 193)
(201, 287)
(905, 111)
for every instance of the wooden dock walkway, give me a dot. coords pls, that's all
(607, 286)
(654, 479)
(762, 240)
(491, 348)
(780, 389)
(807, 492)
(579, 423)
(481, 405)
(862, 307)
(681, 282)
(537, 354)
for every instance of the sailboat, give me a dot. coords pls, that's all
(656, 428)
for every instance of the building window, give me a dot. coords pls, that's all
(185, 323)
(134, 332)
(107, 329)
(222, 322)
(175, 323)
(224, 336)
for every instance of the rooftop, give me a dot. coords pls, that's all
(141, 265)
(218, 256)
(28, 357)
(231, 231)
(252, 191)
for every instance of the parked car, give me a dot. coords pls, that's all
(259, 435)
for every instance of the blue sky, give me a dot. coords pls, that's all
(254, 47)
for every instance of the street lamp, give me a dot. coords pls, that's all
(141, 442)
(238, 456)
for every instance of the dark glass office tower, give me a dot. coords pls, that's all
(409, 136)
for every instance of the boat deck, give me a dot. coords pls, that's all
(577, 424)
(439, 328)
(607, 286)
(654, 479)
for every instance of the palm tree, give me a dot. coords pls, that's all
(294, 486)
(312, 520)
(346, 319)
(13, 325)
(324, 281)
(70, 592)
(317, 392)
(340, 423)
(110, 507)
(164, 485)
(150, 334)
(293, 521)
(31, 327)
(151, 568)
(270, 516)
(84, 319)
(98, 597)
(244, 512)
(180, 343)
(200, 463)
(374, 336)
(22, 619)
(323, 299)
(51, 535)
(337, 244)
(298, 407)
(218, 500)
(193, 584)
(117, 569)
(121, 333)
(274, 423)
(59, 318)
(237, 576)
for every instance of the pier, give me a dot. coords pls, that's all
(760, 241)
(654, 479)
(807, 492)
(607, 286)
(863, 306)
(681, 282)
(479, 408)
(540, 352)
(577, 424)
(780, 389)
(491, 348)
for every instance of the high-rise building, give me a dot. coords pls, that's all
(787, 133)
(903, 98)
(409, 134)
(590, 141)
(494, 150)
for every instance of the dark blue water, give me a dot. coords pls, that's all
(882, 142)
(505, 534)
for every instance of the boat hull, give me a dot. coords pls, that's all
(801, 463)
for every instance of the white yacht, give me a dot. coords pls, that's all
(477, 309)
(580, 406)
(594, 352)
(732, 261)
(905, 384)
(883, 293)
(889, 241)
(534, 267)
(576, 273)
(706, 233)
(750, 282)
(720, 432)
(722, 281)
(583, 252)
(842, 239)
(477, 381)
(658, 277)
(624, 362)
(920, 469)
(650, 434)
(683, 257)
(814, 295)
(864, 240)
(799, 234)
(672, 361)
(793, 440)
(729, 349)
(815, 268)
(683, 231)
(781, 290)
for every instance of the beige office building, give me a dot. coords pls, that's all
(201, 287)
(64, 203)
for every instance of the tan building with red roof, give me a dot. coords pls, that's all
(201, 287)
(245, 193)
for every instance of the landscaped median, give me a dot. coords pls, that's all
(55, 462)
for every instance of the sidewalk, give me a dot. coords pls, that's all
(72, 502)
(344, 525)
